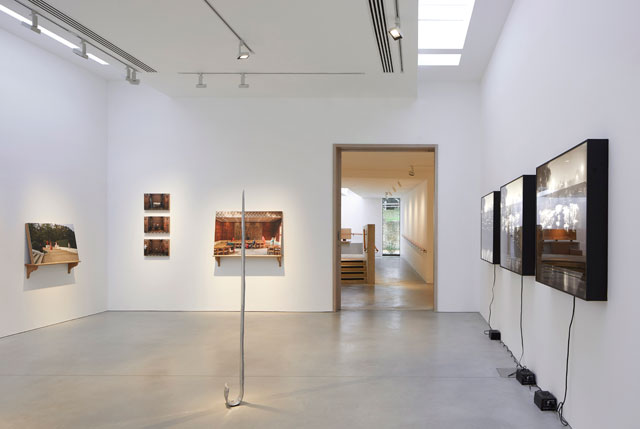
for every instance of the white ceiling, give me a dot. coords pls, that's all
(371, 174)
(287, 36)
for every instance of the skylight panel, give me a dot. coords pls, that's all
(443, 24)
(441, 34)
(439, 59)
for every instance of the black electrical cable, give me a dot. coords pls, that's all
(493, 295)
(566, 369)
(521, 332)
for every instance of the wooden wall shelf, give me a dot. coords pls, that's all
(278, 257)
(33, 267)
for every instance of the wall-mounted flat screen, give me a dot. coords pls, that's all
(156, 247)
(517, 225)
(263, 233)
(51, 243)
(157, 202)
(157, 224)
(490, 228)
(571, 237)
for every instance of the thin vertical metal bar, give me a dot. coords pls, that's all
(399, 41)
(238, 401)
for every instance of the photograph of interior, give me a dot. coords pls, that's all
(157, 202)
(439, 200)
(263, 234)
(156, 247)
(157, 224)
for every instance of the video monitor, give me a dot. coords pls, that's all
(571, 233)
(517, 225)
(490, 228)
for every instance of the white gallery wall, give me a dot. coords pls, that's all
(53, 117)
(205, 151)
(561, 73)
(357, 212)
(416, 224)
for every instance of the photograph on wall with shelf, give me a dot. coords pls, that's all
(157, 202)
(155, 247)
(51, 243)
(157, 224)
(563, 188)
(263, 233)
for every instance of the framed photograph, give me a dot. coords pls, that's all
(490, 228)
(157, 224)
(51, 243)
(157, 202)
(571, 233)
(156, 247)
(263, 234)
(518, 225)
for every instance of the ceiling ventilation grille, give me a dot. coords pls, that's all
(379, 21)
(90, 34)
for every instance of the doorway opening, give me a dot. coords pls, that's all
(384, 227)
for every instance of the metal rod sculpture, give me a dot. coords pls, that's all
(238, 401)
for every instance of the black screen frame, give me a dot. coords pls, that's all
(597, 171)
(528, 265)
(496, 227)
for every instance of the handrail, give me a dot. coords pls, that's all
(414, 244)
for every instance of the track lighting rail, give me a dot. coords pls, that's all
(88, 36)
(399, 40)
(224, 21)
(276, 73)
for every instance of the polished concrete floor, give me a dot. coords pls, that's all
(398, 287)
(353, 369)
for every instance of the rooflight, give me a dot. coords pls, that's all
(443, 24)
(49, 33)
(439, 59)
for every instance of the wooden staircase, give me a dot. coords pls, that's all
(353, 271)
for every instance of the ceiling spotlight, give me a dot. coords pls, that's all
(412, 172)
(201, 83)
(394, 188)
(82, 51)
(132, 77)
(395, 31)
(243, 52)
(399, 184)
(243, 83)
(34, 22)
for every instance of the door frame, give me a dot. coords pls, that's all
(338, 149)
